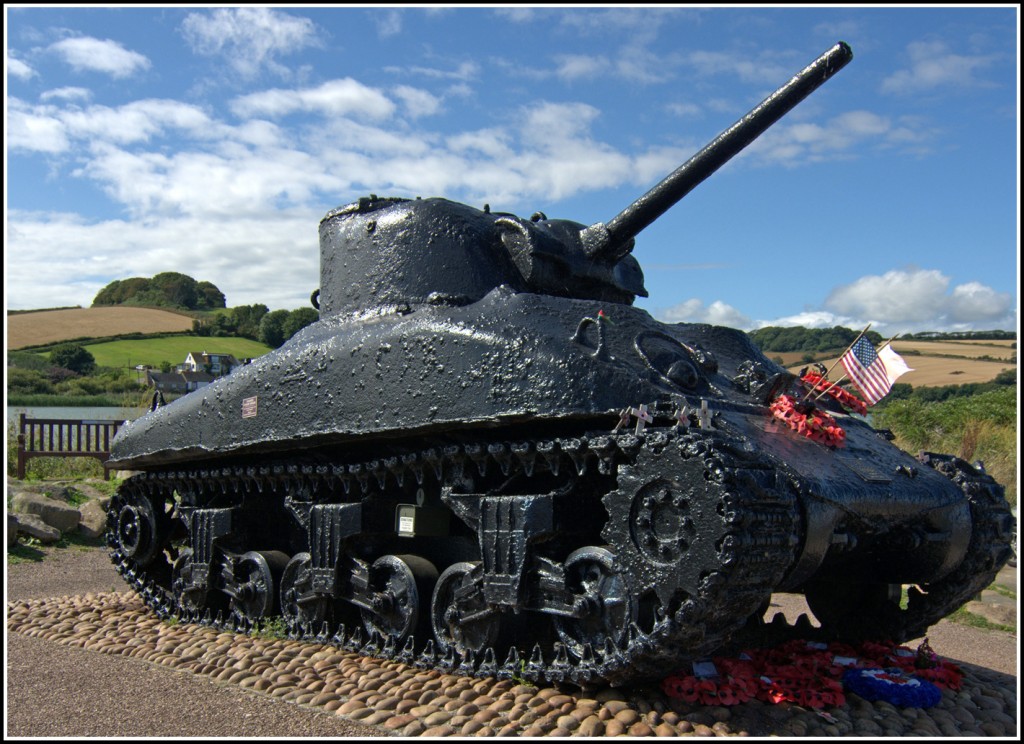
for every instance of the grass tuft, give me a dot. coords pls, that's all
(971, 620)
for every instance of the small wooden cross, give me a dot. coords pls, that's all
(704, 415)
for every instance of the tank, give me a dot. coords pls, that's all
(483, 458)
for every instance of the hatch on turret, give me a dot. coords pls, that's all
(388, 253)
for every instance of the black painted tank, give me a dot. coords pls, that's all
(482, 457)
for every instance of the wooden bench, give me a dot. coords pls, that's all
(64, 438)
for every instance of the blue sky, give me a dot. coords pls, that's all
(211, 140)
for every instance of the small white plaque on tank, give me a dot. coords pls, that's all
(249, 407)
(406, 520)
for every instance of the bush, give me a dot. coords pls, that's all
(27, 382)
(272, 328)
(27, 360)
(74, 357)
(977, 427)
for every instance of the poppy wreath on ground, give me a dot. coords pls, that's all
(802, 689)
(726, 691)
(846, 399)
(802, 673)
(806, 419)
(814, 675)
(892, 685)
(923, 663)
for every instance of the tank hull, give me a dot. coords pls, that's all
(306, 468)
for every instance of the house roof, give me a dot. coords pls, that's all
(208, 354)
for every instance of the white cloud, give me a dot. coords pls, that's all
(615, 21)
(809, 319)
(639, 65)
(517, 14)
(66, 94)
(899, 301)
(388, 23)
(417, 102)
(933, 66)
(30, 130)
(575, 66)
(49, 128)
(249, 39)
(551, 125)
(977, 304)
(345, 97)
(760, 70)
(695, 311)
(908, 300)
(19, 69)
(898, 295)
(465, 71)
(237, 185)
(560, 158)
(493, 143)
(84, 53)
(631, 62)
(793, 143)
(684, 109)
(382, 144)
(135, 122)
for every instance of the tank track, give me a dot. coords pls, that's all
(989, 550)
(759, 537)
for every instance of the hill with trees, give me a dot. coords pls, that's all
(167, 289)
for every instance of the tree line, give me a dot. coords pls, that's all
(256, 322)
(797, 338)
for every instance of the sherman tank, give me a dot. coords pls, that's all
(483, 458)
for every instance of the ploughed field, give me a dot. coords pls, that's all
(53, 326)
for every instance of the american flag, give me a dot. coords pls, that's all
(871, 372)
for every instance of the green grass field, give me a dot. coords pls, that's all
(171, 349)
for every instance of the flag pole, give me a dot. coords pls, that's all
(838, 359)
(889, 342)
(844, 376)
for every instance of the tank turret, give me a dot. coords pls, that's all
(483, 457)
(381, 252)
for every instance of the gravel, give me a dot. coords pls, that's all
(85, 658)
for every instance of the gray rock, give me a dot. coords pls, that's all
(61, 493)
(56, 514)
(34, 526)
(94, 517)
(85, 488)
(12, 530)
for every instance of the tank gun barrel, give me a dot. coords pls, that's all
(613, 240)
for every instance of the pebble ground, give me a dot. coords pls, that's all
(391, 698)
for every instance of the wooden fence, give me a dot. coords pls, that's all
(64, 438)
